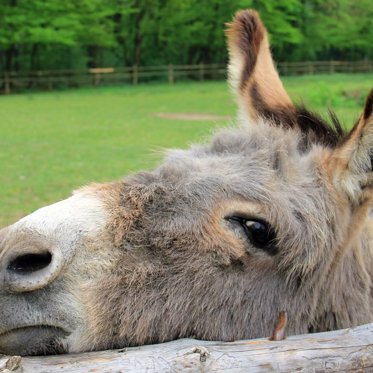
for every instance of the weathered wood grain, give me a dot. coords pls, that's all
(348, 350)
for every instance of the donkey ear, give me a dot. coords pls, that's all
(351, 164)
(252, 74)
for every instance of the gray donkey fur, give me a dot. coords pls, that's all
(272, 216)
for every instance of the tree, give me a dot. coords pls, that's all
(40, 34)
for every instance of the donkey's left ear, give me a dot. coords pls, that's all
(351, 163)
(252, 74)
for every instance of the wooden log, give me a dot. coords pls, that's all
(338, 351)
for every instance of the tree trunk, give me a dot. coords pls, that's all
(93, 56)
(33, 57)
(138, 35)
(9, 58)
(11, 50)
(117, 21)
(341, 350)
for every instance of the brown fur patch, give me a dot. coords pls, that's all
(251, 65)
(268, 79)
(122, 208)
(246, 32)
(283, 115)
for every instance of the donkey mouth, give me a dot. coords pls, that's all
(33, 340)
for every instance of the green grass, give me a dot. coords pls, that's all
(52, 143)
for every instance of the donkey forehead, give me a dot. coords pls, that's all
(265, 159)
(242, 146)
(262, 165)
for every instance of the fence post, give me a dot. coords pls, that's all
(201, 72)
(366, 65)
(6, 83)
(97, 78)
(352, 67)
(37, 82)
(331, 67)
(49, 81)
(135, 74)
(310, 68)
(171, 78)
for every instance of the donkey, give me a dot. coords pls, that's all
(215, 242)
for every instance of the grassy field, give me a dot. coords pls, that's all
(51, 143)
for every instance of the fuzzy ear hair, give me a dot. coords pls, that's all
(351, 163)
(252, 74)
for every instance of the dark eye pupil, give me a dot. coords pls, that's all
(259, 233)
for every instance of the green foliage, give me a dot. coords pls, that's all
(55, 34)
(52, 22)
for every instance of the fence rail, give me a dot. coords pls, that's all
(348, 350)
(54, 79)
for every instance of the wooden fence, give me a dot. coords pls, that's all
(348, 350)
(55, 79)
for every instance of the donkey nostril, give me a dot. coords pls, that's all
(29, 263)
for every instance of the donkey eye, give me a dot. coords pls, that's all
(258, 232)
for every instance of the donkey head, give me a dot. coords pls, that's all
(268, 217)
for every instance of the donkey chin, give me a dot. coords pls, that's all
(33, 340)
(214, 243)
